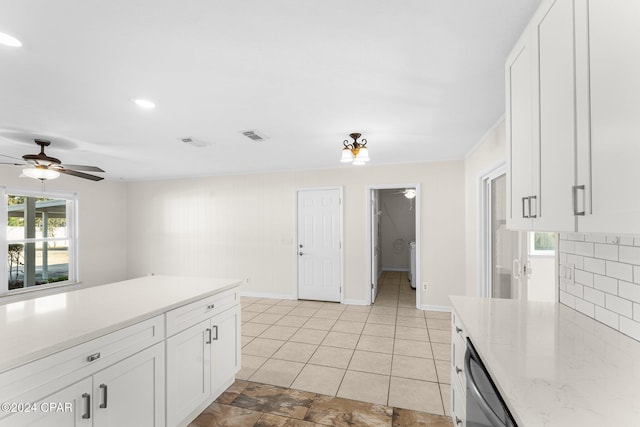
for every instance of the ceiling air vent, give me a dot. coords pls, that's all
(195, 142)
(251, 134)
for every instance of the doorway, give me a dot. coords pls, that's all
(393, 246)
(319, 244)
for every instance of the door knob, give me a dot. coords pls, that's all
(300, 253)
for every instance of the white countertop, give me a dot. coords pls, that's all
(553, 365)
(37, 327)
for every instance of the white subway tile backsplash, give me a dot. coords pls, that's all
(629, 254)
(583, 248)
(619, 270)
(584, 278)
(605, 251)
(595, 296)
(605, 284)
(629, 291)
(619, 305)
(607, 317)
(594, 265)
(607, 278)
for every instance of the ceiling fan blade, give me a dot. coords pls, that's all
(82, 168)
(80, 174)
(10, 157)
(14, 164)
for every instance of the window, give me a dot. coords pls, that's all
(41, 239)
(542, 243)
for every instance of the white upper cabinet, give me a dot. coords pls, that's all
(608, 155)
(519, 125)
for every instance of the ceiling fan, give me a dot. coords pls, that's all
(45, 167)
(409, 193)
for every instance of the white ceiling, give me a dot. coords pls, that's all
(422, 80)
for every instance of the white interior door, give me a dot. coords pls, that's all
(319, 244)
(375, 245)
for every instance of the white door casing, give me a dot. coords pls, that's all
(319, 244)
(375, 244)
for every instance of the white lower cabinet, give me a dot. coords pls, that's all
(129, 393)
(458, 377)
(201, 363)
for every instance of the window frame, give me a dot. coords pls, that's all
(72, 237)
(540, 252)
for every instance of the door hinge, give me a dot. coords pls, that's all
(339, 200)
(372, 286)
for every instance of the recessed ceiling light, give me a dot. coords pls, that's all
(144, 103)
(8, 40)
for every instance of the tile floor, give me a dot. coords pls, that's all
(389, 353)
(249, 404)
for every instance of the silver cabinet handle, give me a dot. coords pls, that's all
(216, 328)
(531, 214)
(211, 306)
(574, 198)
(524, 199)
(458, 370)
(300, 253)
(458, 421)
(208, 341)
(87, 399)
(103, 387)
(92, 357)
(458, 330)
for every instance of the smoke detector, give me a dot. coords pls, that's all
(252, 135)
(193, 141)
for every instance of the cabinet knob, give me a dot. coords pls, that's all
(458, 370)
(210, 307)
(458, 330)
(92, 357)
(458, 421)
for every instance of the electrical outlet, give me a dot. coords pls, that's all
(424, 286)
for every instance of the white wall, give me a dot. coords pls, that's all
(102, 223)
(239, 226)
(398, 221)
(488, 154)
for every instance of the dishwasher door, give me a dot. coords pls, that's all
(485, 406)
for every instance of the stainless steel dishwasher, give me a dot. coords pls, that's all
(485, 406)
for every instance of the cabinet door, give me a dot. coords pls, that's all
(519, 118)
(70, 407)
(553, 27)
(188, 371)
(225, 349)
(131, 392)
(613, 148)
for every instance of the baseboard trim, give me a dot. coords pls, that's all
(266, 295)
(355, 302)
(443, 308)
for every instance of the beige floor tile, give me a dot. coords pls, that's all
(303, 311)
(256, 308)
(251, 329)
(441, 336)
(334, 357)
(359, 308)
(383, 310)
(327, 314)
(245, 340)
(413, 322)
(295, 351)
(312, 304)
(382, 302)
(309, 336)
(341, 339)
(248, 300)
(289, 320)
(417, 395)
(277, 372)
(245, 316)
(406, 303)
(443, 324)
(334, 306)
(365, 387)
(375, 363)
(437, 315)
(262, 347)
(413, 348)
(319, 379)
(348, 326)
(383, 319)
(267, 318)
(355, 316)
(289, 302)
(269, 301)
(414, 367)
(443, 368)
(379, 330)
(249, 365)
(279, 332)
(319, 323)
(441, 351)
(278, 309)
(445, 393)
(410, 312)
(377, 344)
(408, 333)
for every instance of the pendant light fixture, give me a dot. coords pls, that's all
(355, 152)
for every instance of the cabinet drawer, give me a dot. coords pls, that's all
(458, 349)
(458, 404)
(183, 317)
(80, 361)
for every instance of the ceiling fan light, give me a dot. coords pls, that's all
(144, 103)
(7, 40)
(363, 154)
(41, 173)
(347, 157)
(410, 193)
